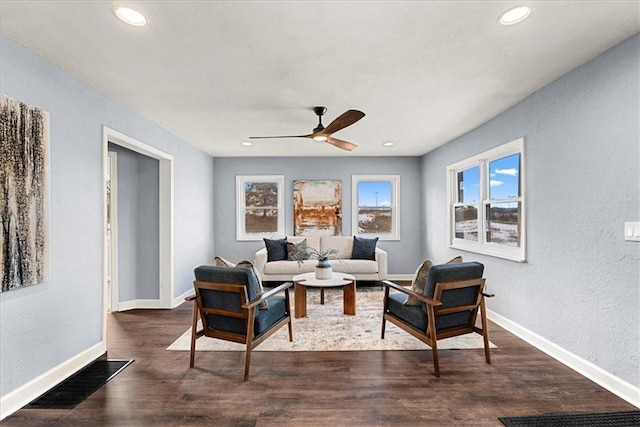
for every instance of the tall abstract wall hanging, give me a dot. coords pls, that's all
(24, 194)
(317, 208)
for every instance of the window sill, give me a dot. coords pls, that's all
(491, 251)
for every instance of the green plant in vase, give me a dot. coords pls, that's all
(323, 267)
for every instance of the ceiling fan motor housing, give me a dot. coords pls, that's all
(319, 112)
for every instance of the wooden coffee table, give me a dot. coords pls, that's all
(308, 280)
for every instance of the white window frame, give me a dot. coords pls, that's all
(394, 180)
(241, 180)
(483, 160)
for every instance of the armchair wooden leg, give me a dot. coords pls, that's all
(247, 360)
(194, 324)
(485, 332)
(434, 338)
(384, 309)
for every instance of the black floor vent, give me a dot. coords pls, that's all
(612, 419)
(80, 385)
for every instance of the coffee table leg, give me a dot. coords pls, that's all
(349, 298)
(300, 293)
(321, 295)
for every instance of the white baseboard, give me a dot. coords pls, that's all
(615, 385)
(393, 277)
(180, 299)
(20, 397)
(140, 303)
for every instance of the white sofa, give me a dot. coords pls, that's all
(361, 269)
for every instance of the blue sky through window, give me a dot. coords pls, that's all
(504, 180)
(374, 194)
(504, 177)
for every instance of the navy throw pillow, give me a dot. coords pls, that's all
(364, 248)
(276, 249)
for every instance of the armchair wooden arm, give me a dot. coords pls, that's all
(405, 290)
(190, 298)
(267, 295)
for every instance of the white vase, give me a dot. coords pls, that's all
(323, 270)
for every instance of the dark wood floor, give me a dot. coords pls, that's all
(366, 388)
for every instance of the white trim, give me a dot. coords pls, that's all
(394, 180)
(113, 298)
(141, 303)
(15, 400)
(241, 233)
(403, 277)
(615, 385)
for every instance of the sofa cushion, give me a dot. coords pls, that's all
(259, 290)
(276, 249)
(420, 279)
(364, 248)
(342, 244)
(354, 266)
(290, 267)
(297, 251)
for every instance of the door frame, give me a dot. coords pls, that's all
(165, 211)
(112, 299)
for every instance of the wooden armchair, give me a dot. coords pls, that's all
(227, 304)
(452, 295)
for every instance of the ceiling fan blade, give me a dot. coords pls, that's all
(342, 121)
(281, 136)
(345, 145)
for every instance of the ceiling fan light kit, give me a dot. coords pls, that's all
(323, 134)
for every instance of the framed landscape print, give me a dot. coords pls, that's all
(317, 208)
(376, 206)
(259, 210)
(24, 194)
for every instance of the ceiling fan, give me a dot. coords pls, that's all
(321, 133)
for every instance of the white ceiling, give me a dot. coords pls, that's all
(215, 73)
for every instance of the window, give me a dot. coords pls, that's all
(375, 206)
(486, 202)
(259, 211)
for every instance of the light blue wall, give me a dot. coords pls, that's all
(44, 325)
(137, 225)
(580, 285)
(404, 255)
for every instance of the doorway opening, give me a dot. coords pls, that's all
(110, 225)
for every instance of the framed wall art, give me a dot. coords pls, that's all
(24, 194)
(317, 208)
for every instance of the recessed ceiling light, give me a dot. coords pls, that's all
(515, 15)
(388, 144)
(246, 143)
(130, 16)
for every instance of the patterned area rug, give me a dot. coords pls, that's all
(326, 328)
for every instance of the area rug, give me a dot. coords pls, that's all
(69, 393)
(326, 328)
(617, 419)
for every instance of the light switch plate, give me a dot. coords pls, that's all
(632, 231)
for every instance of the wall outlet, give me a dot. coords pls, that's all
(632, 231)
